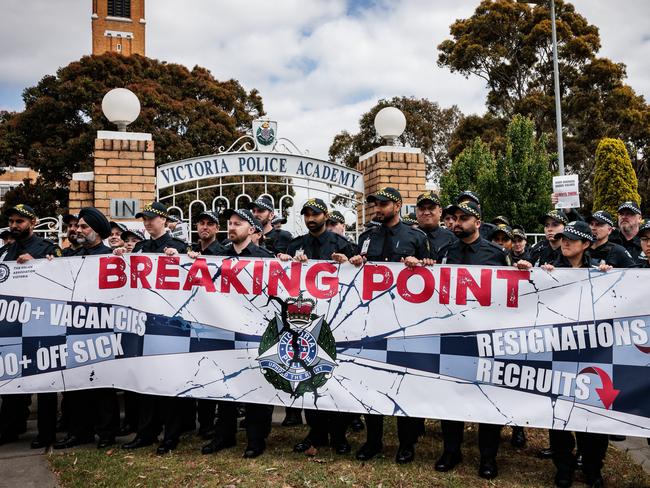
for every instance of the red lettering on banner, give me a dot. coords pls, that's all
(444, 285)
(258, 277)
(164, 273)
(111, 272)
(277, 274)
(465, 281)
(330, 283)
(199, 275)
(427, 290)
(370, 285)
(512, 277)
(229, 271)
(140, 273)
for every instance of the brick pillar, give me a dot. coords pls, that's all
(124, 168)
(82, 191)
(400, 167)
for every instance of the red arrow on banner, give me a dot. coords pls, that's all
(607, 393)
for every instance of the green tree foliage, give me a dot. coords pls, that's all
(428, 127)
(614, 178)
(515, 183)
(188, 112)
(508, 44)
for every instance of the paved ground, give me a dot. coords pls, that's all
(23, 467)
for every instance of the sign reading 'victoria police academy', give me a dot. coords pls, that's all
(258, 163)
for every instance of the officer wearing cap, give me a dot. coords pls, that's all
(336, 223)
(470, 248)
(500, 220)
(644, 239)
(576, 239)
(15, 408)
(548, 250)
(207, 228)
(319, 243)
(5, 235)
(131, 237)
(278, 222)
(602, 250)
(155, 217)
(520, 249)
(275, 240)
(241, 226)
(502, 236)
(410, 219)
(448, 218)
(93, 227)
(629, 221)
(72, 222)
(115, 238)
(393, 241)
(428, 212)
(469, 196)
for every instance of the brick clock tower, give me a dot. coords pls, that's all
(118, 26)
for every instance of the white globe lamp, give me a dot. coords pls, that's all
(121, 107)
(390, 124)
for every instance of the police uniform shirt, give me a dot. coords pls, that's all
(543, 253)
(100, 248)
(322, 246)
(159, 245)
(277, 241)
(562, 262)
(486, 230)
(524, 256)
(633, 246)
(35, 246)
(481, 251)
(214, 249)
(613, 254)
(382, 243)
(439, 238)
(251, 250)
(70, 251)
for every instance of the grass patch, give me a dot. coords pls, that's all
(280, 467)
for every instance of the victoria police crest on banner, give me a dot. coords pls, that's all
(297, 353)
(265, 133)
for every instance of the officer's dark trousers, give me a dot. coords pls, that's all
(489, 436)
(81, 407)
(131, 409)
(108, 413)
(326, 426)
(48, 404)
(258, 422)
(206, 413)
(158, 411)
(593, 448)
(13, 414)
(408, 429)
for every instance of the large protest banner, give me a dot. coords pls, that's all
(567, 349)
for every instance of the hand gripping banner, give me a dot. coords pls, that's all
(567, 349)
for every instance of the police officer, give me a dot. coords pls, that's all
(131, 237)
(319, 243)
(644, 239)
(519, 245)
(471, 248)
(97, 409)
(629, 220)
(336, 222)
(602, 224)
(275, 240)
(576, 238)
(72, 222)
(392, 241)
(115, 238)
(157, 411)
(278, 222)
(15, 408)
(428, 212)
(410, 219)
(486, 227)
(502, 236)
(241, 226)
(548, 250)
(448, 218)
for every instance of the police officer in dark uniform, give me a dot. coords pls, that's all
(471, 248)
(428, 212)
(241, 226)
(548, 250)
(15, 408)
(602, 249)
(275, 240)
(392, 241)
(644, 239)
(576, 238)
(96, 409)
(156, 411)
(72, 223)
(629, 220)
(336, 222)
(319, 243)
(486, 227)
(520, 250)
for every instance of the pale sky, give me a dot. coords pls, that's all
(318, 64)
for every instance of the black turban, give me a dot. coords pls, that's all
(96, 220)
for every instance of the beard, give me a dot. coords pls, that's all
(20, 235)
(461, 233)
(315, 226)
(86, 240)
